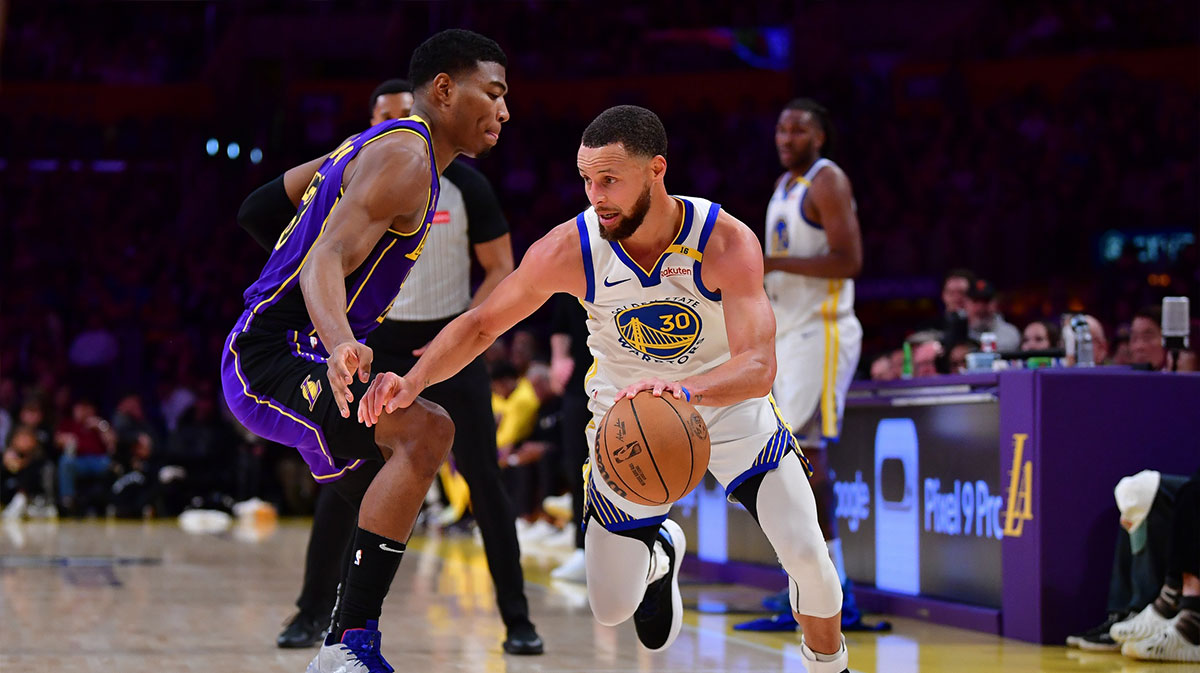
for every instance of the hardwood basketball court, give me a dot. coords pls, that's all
(148, 597)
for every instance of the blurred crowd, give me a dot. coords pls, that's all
(111, 328)
(972, 322)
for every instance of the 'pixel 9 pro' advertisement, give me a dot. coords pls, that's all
(918, 499)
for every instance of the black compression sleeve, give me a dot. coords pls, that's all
(266, 212)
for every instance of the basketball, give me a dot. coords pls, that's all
(652, 450)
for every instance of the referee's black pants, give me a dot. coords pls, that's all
(467, 398)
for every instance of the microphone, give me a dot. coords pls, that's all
(1175, 327)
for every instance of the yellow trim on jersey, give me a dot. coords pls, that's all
(591, 372)
(674, 239)
(368, 277)
(428, 191)
(778, 413)
(684, 250)
(799, 178)
(254, 311)
(337, 474)
(383, 316)
(829, 419)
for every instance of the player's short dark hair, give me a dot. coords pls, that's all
(638, 129)
(388, 88)
(819, 113)
(454, 52)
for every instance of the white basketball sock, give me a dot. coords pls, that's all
(660, 563)
(825, 663)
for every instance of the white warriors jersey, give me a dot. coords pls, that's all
(662, 322)
(798, 299)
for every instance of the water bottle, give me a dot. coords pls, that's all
(987, 342)
(1084, 355)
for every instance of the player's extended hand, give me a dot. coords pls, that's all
(655, 386)
(344, 360)
(388, 392)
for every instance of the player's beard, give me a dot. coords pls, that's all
(627, 224)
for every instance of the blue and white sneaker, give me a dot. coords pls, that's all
(358, 652)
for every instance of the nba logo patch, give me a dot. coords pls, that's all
(310, 390)
(358, 557)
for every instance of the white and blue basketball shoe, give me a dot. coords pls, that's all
(358, 652)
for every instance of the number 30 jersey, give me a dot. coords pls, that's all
(660, 322)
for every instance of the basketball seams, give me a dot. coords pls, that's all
(691, 449)
(612, 467)
(650, 453)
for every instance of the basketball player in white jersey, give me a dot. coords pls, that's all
(813, 251)
(643, 261)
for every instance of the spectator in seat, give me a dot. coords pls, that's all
(1146, 344)
(957, 358)
(21, 472)
(883, 369)
(983, 316)
(953, 324)
(87, 442)
(1041, 335)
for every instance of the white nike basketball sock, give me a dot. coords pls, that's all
(660, 563)
(825, 663)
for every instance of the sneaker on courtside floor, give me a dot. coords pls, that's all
(358, 652)
(1142, 625)
(574, 569)
(1097, 638)
(660, 616)
(1167, 644)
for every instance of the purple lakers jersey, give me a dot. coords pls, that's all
(275, 303)
(274, 338)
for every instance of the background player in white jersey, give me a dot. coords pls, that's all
(640, 259)
(813, 251)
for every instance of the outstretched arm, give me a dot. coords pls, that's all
(552, 264)
(833, 200)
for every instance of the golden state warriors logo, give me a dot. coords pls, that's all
(310, 390)
(663, 330)
(781, 237)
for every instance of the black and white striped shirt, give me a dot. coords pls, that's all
(468, 213)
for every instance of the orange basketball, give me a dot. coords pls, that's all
(652, 450)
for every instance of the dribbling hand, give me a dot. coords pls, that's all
(344, 360)
(388, 392)
(656, 386)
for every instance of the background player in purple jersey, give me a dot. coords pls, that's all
(295, 360)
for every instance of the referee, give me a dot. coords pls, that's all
(468, 220)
